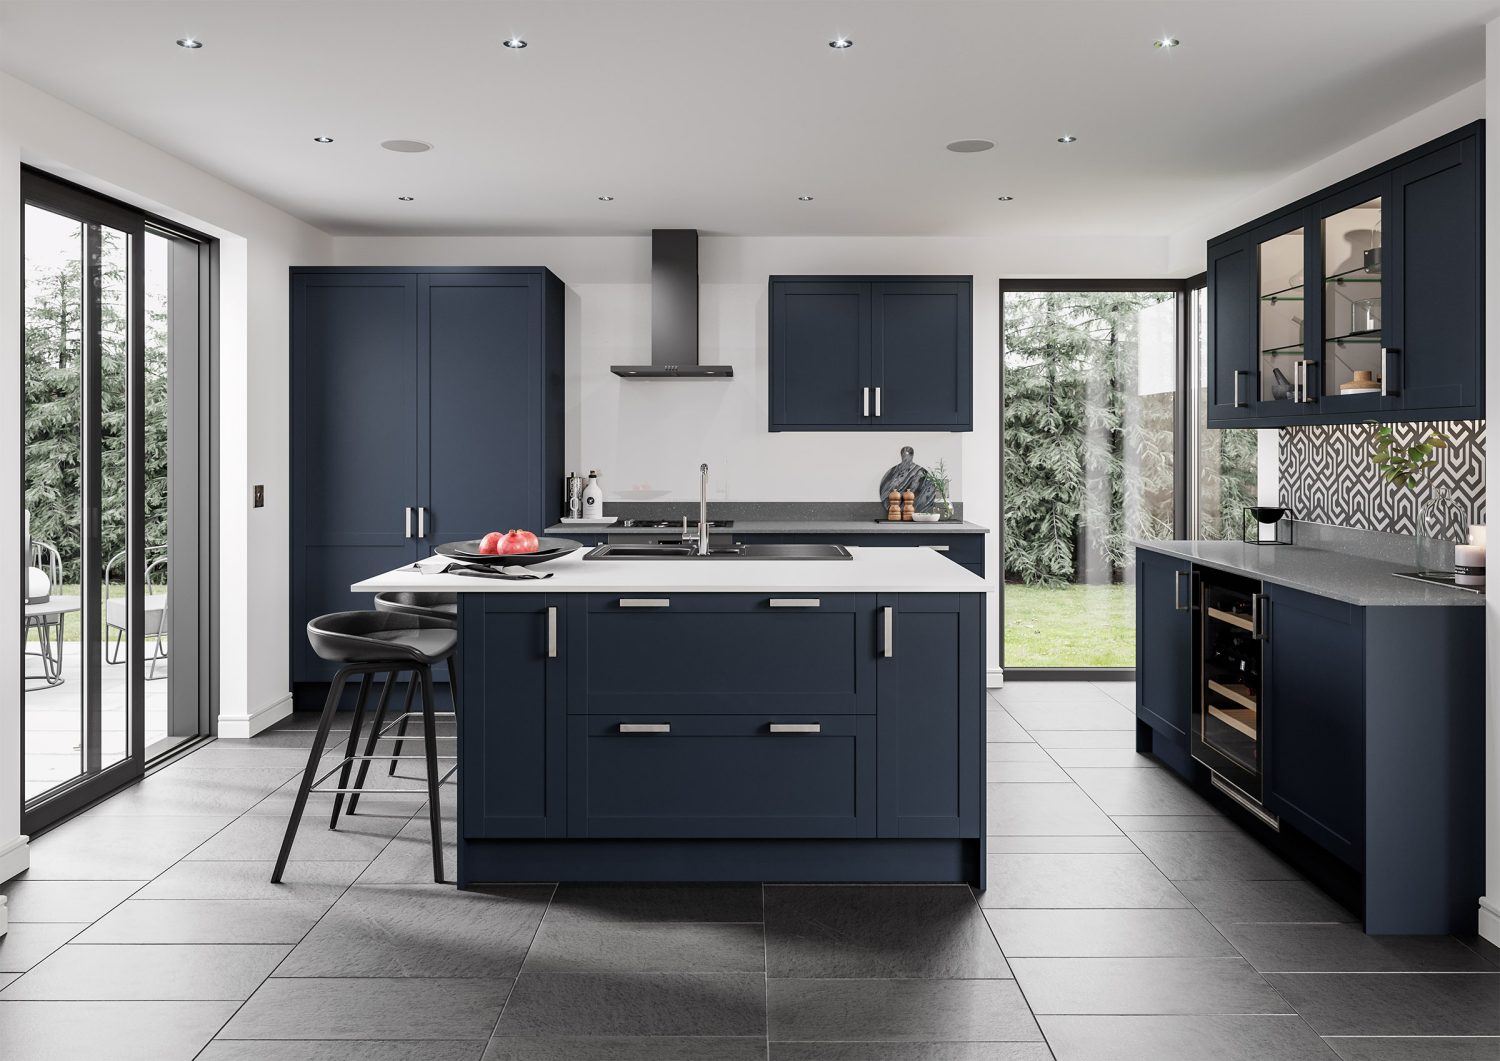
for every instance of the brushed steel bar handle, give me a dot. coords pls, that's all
(1385, 391)
(421, 522)
(796, 727)
(645, 602)
(1177, 591)
(796, 602)
(645, 727)
(551, 632)
(888, 649)
(877, 401)
(408, 521)
(866, 410)
(1237, 374)
(938, 548)
(1257, 617)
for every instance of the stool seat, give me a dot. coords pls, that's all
(370, 637)
(427, 605)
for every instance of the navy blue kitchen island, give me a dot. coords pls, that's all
(714, 720)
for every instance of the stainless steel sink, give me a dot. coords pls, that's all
(752, 551)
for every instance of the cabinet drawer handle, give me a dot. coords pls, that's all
(796, 727)
(796, 602)
(888, 648)
(551, 633)
(645, 602)
(865, 409)
(645, 727)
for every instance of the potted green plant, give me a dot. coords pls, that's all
(941, 481)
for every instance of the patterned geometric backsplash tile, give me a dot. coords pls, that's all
(1327, 475)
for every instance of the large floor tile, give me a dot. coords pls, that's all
(910, 1052)
(1145, 986)
(340, 1050)
(643, 1004)
(1174, 823)
(1038, 772)
(1219, 1037)
(157, 973)
(1098, 845)
(119, 1031)
(1101, 713)
(1049, 692)
(999, 726)
(366, 1008)
(1297, 948)
(1085, 738)
(1060, 881)
(1262, 900)
(278, 803)
(27, 943)
(878, 931)
(207, 921)
(1129, 791)
(253, 838)
(656, 902)
(65, 900)
(1121, 692)
(101, 847)
(245, 755)
(638, 947)
(389, 930)
(1119, 758)
(1015, 752)
(1107, 934)
(1214, 856)
(302, 882)
(1043, 810)
(407, 859)
(626, 1048)
(195, 790)
(1415, 1048)
(899, 1011)
(1394, 1003)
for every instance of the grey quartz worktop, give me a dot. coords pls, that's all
(1341, 576)
(785, 526)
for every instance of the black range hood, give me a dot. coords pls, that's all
(674, 312)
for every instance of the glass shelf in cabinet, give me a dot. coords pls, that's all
(1353, 276)
(1355, 337)
(1282, 351)
(1284, 294)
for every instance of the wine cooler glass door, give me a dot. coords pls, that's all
(1227, 720)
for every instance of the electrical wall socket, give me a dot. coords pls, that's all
(260, 496)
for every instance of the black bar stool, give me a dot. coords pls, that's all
(440, 607)
(367, 644)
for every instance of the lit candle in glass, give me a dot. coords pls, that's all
(1468, 560)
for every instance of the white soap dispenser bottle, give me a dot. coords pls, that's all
(593, 497)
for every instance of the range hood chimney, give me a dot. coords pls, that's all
(674, 311)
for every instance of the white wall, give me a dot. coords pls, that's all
(259, 242)
(1489, 905)
(648, 438)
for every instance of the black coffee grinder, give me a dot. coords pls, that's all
(1266, 516)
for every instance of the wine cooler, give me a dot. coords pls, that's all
(1227, 720)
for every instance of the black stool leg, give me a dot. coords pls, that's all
(364, 764)
(429, 739)
(314, 757)
(411, 687)
(353, 746)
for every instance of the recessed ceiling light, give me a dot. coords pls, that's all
(1166, 42)
(406, 147)
(406, 198)
(1005, 198)
(1066, 139)
(322, 139)
(606, 198)
(841, 43)
(804, 198)
(190, 43)
(515, 43)
(969, 147)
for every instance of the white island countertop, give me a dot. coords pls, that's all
(871, 571)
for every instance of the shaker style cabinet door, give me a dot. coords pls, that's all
(922, 357)
(1165, 599)
(820, 356)
(1232, 377)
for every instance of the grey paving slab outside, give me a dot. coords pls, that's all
(1125, 919)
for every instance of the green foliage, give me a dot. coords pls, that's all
(1088, 460)
(1404, 465)
(53, 323)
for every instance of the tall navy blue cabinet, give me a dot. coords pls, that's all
(427, 406)
(869, 353)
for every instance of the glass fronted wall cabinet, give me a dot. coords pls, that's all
(1364, 300)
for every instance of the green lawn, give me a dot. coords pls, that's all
(1069, 626)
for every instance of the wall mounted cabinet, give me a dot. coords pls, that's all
(862, 353)
(1364, 301)
(427, 406)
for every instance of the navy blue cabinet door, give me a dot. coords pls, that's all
(1231, 331)
(1435, 306)
(1314, 725)
(354, 406)
(820, 355)
(513, 715)
(930, 673)
(481, 417)
(922, 356)
(1165, 599)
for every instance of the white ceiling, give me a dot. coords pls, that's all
(717, 114)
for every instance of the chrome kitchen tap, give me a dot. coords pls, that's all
(703, 510)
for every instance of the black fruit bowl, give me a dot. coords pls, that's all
(546, 549)
(1266, 514)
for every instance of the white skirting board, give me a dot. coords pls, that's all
(15, 858)
(1489, 919)
(241, 726)
(994, 679)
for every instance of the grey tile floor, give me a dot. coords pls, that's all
(1125, 919)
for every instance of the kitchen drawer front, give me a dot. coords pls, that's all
(727, 776)
(732, 654)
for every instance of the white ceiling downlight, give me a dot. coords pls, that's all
(1165, 42)
(406, 147)
(406, 198)
(840, 43)
(1004, 198)
(190, 43)
(514, 43)
(804, 198)
(970, 147)
(1067, 138)
(606, 198)
(322, 139)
